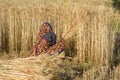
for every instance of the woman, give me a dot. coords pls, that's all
(46, 41)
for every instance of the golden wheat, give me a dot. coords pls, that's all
(84, 25)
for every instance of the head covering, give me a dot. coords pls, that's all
(49, 25)
(45, 28)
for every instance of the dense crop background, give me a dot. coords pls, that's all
(87, 27)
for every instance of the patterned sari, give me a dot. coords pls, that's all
(43, 45)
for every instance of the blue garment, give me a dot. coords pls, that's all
(50, 37)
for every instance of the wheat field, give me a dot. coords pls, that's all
(85, 26)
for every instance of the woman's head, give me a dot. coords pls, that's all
(46, 27)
